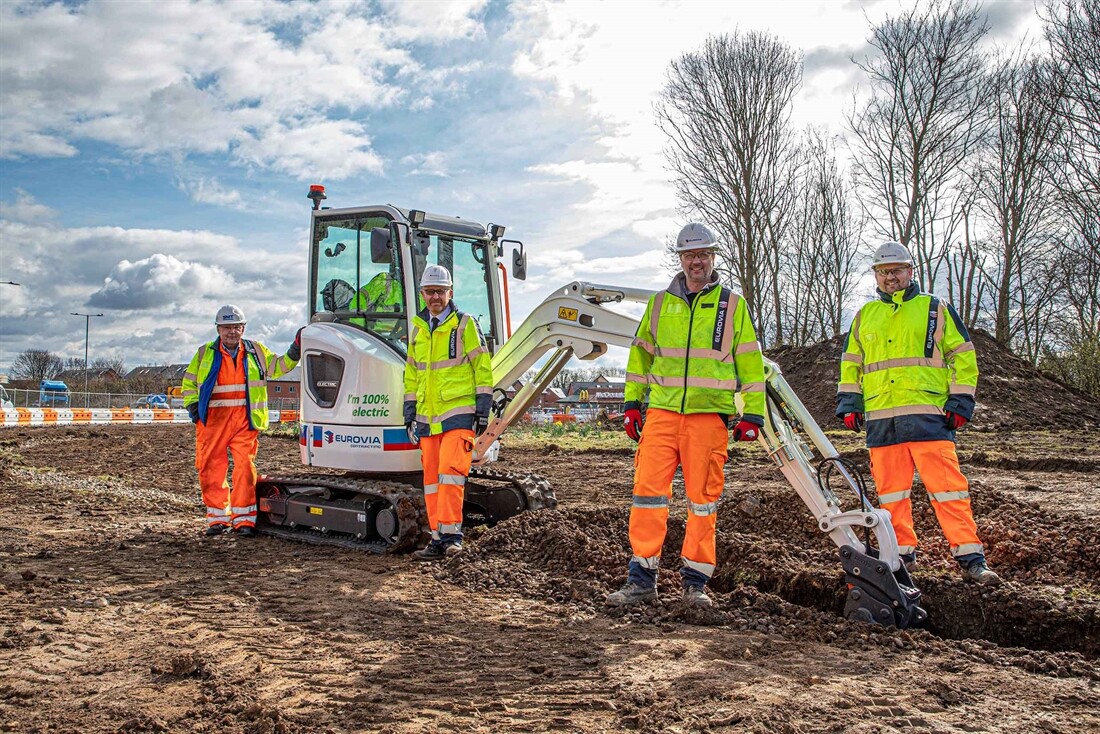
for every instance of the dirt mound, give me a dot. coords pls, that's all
(1011, 392)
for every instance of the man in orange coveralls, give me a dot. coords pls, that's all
(225, 391)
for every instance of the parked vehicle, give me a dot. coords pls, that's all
(53, 393)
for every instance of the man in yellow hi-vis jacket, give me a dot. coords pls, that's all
(225, 392)
(909, 369)
(695, 348)
(448, 394)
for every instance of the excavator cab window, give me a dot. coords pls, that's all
(356, 290)
(467, 262)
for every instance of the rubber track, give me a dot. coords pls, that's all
(408, 499)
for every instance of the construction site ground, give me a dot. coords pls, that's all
(117, 615)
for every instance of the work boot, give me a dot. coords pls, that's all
(630, 595)
(453, 549)
(909, 560)
(695, 596)
(433, 551)
(980, 573)
(246, 531)
(216, 530)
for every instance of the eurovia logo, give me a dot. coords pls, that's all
(328, 436)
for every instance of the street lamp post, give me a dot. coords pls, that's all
(87, 321)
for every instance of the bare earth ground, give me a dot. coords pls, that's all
(116, 615)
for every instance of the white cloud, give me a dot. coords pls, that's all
(210, 191)
(426, 164)
(25, 209)
(157, 280)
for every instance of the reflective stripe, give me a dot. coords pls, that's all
(892, 497)
(904, 410)
(753, 346)
(452, 479)
(707, 569)
(703, 509)
(259, 405)
(256, 383)
(243, 510)
(941, 322)
(631, 377)
(445, 363)
(232, 403)
(461, 410)
(904, 362)
(850, 387)
(964, 347)
(228, 388)
(241, 520)
(726, 347)
(483, 391)
(189, 393)
(948, 496)
(655, 314)
(190, 376)
(957, 389)
(450, 528)
(431, 488)
(410, 396)
(966, 549)
(849, 357)
(753, 387)
(694, 353)
(903, 549)
(652, 563)
(217, 512)
(707, 382)
(475, 352)
(650, 502)
(643, 345)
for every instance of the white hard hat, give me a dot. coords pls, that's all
(891, 253)
(230, 316)
(696, 236)
(435, 275)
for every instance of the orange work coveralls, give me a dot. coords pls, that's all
(227, 431)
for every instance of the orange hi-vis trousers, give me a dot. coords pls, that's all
(698, 443)
(938, 466)
(446, 458)
(227, 432)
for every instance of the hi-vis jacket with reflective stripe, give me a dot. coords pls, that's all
(448, 373)
(908, 359)
(202, 374)
(694, 356)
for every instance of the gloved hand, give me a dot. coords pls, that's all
(295, 349)
(632, 423)
(193, 411)
(954, 421)
(854, 421)
(481, 423)
(744, 430)
(413, 430)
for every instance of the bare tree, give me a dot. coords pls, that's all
(967, 283)
(921, 122)
(820, 257)
(36, 365)
(726, 111)
(1015, 189)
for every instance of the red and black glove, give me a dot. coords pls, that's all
(954, 421)
(632, 423)
(745, 431)
(295, 349)
(854, 421)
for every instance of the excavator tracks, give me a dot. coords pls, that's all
(382, 515)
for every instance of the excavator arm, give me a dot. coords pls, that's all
(573, 322)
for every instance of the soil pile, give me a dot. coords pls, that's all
(1011, 392)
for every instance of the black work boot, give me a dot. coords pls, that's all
(433, 551)
(246, 531)
(215, 530)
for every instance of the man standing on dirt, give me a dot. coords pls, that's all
(910, 369)
(448, 394)
(225, 391)
(695, 348)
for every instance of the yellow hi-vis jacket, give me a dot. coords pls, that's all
(261, 364)
(448, 373)
(693, 357)
(908, 359)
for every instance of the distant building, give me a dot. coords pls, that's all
(71, 377)
(591, 396)
(171, 374)
(284, 393)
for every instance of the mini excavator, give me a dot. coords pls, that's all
(364, 265)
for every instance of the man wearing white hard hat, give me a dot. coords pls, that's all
(910, 372)
(448, 394)
(225, 392)
(695, 348)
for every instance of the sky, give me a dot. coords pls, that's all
(155, 154)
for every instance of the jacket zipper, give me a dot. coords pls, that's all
(687, 352)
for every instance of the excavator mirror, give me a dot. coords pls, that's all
(519, 260)
(381, 245)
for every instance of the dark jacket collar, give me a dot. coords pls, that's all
(911, 291)
(678, 286)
